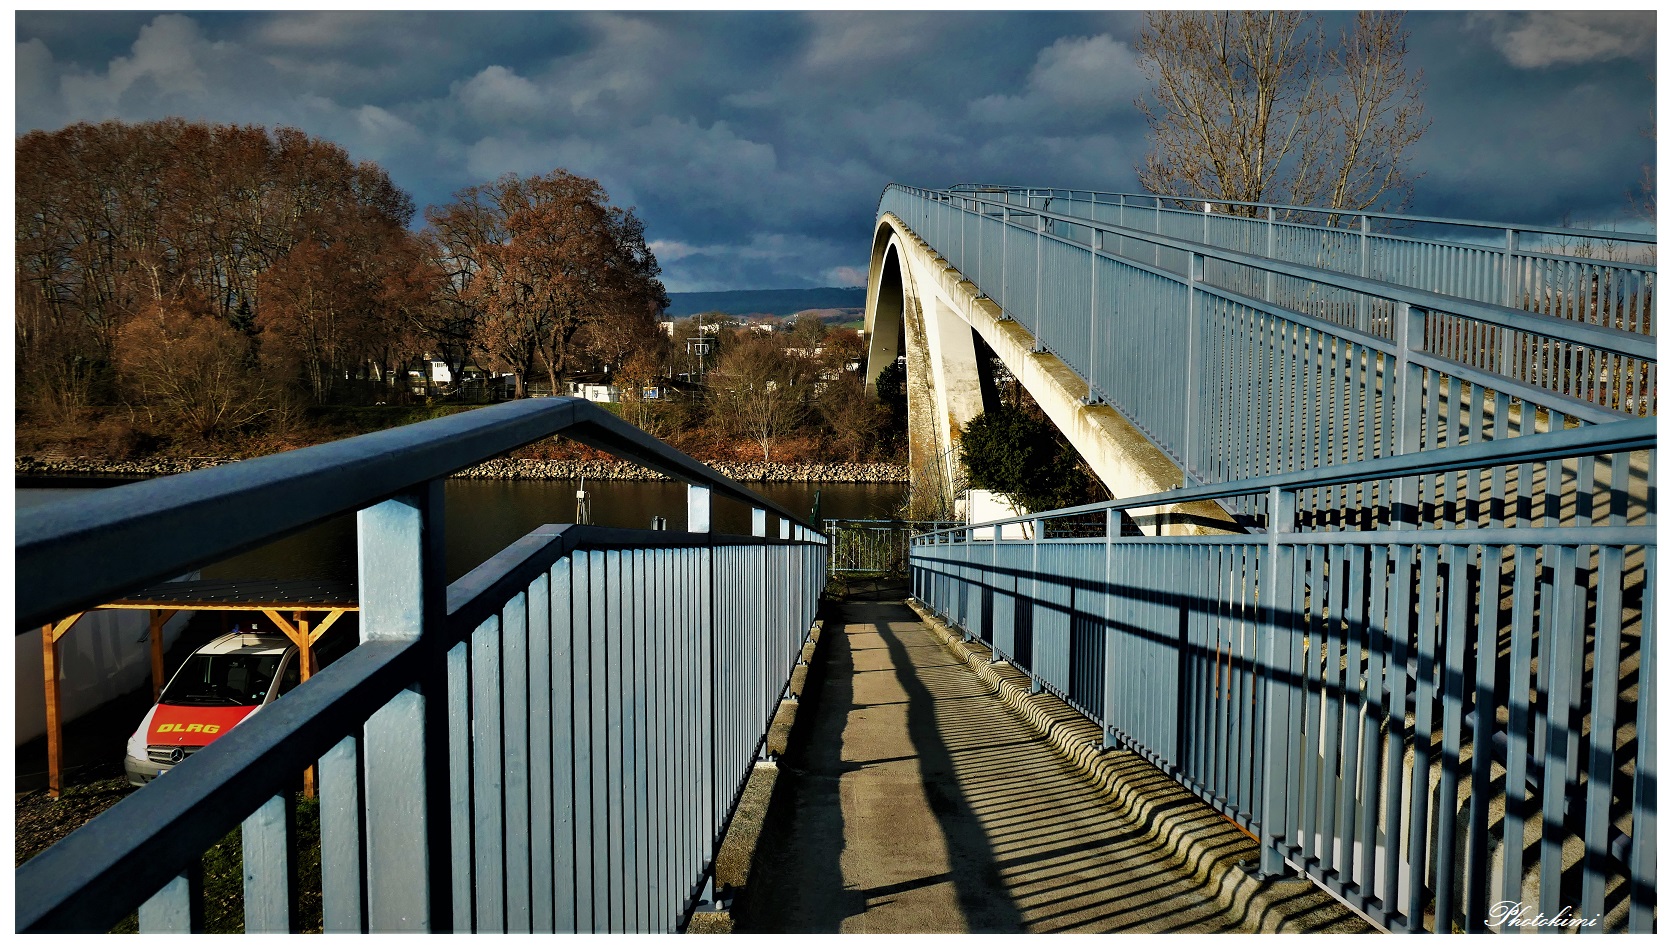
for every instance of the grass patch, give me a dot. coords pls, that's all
(223, 879)
(352, 421)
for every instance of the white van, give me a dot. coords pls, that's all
(222, 684)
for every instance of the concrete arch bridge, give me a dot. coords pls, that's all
(1178, 343)
(1390, 606)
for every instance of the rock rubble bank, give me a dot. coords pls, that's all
(497, 469)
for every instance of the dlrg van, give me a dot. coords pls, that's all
(222, 684)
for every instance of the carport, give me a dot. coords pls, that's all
(312, 605)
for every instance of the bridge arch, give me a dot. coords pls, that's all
(919, 305)
(884, 308)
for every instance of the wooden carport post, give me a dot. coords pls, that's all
(158, 619)
(54, 722)
(303, 638)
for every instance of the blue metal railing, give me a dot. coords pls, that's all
(1430, 709)
(1239, 364)
(554, 742)
(1531, 267)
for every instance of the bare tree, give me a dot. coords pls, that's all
(759, 391)
(1251, 106)
(186, 367)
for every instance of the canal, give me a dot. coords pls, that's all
(484, 516)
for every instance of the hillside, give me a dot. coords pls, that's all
(781, 302)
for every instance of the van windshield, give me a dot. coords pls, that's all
(223, 680)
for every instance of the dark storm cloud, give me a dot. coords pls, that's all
(1537, 117)
(755, 144)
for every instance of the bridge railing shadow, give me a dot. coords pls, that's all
(553, 742)
(1429, 710)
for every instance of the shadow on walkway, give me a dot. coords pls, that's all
(920, 803)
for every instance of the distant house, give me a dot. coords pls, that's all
(430, 376)
(593, 386)
(600, 387)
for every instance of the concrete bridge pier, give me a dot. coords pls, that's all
(943, 381)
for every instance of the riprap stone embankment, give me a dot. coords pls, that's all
(503, 468)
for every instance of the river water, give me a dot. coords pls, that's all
(484, 516)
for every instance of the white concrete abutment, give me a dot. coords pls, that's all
(918, 302)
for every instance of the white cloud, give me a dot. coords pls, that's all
(1076, 75)
(320, 29)
(499, 94)
(37, 85)
(386, 128)
(167, 62)
(697, 167)
(767, 258)
(1544, 38)
(846, 276)
(669, 250)
(495, 155)
(850, 39)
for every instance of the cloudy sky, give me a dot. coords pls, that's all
(755, 145)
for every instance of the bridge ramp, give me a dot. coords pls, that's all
(919, 802)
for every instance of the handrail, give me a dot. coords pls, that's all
(1618, 341)
(1617, 437)
(1623, 235)
(85, 881)
(73, 556)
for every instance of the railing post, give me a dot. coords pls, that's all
(1512, 299)
(1111, 522)
(270, 868)
(1039, 320)
(1271, 252)
(178, 907)
(1004, 252)
(1091, 330)
(1192, 366)
(1033, 627)
(757, 523)
(1207, 211)
(963, 236)
(1511, 245)
(1157, 231)
(1278, 592)
(1364, 270)
(408, 814)
(1409, 325)
(699, 508)
(784, 529)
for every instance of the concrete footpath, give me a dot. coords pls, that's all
(918, 801)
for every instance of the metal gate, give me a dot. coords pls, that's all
(874, 546)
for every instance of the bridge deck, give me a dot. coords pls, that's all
(920, 802)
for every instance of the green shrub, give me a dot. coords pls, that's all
(1024, 459)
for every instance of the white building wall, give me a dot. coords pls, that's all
(106, 654)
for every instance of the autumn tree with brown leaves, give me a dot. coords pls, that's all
(117, 221)
(1255, 106)
(537, 260)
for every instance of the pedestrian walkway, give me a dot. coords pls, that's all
(920, 803)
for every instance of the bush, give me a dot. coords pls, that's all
(1024, 459)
